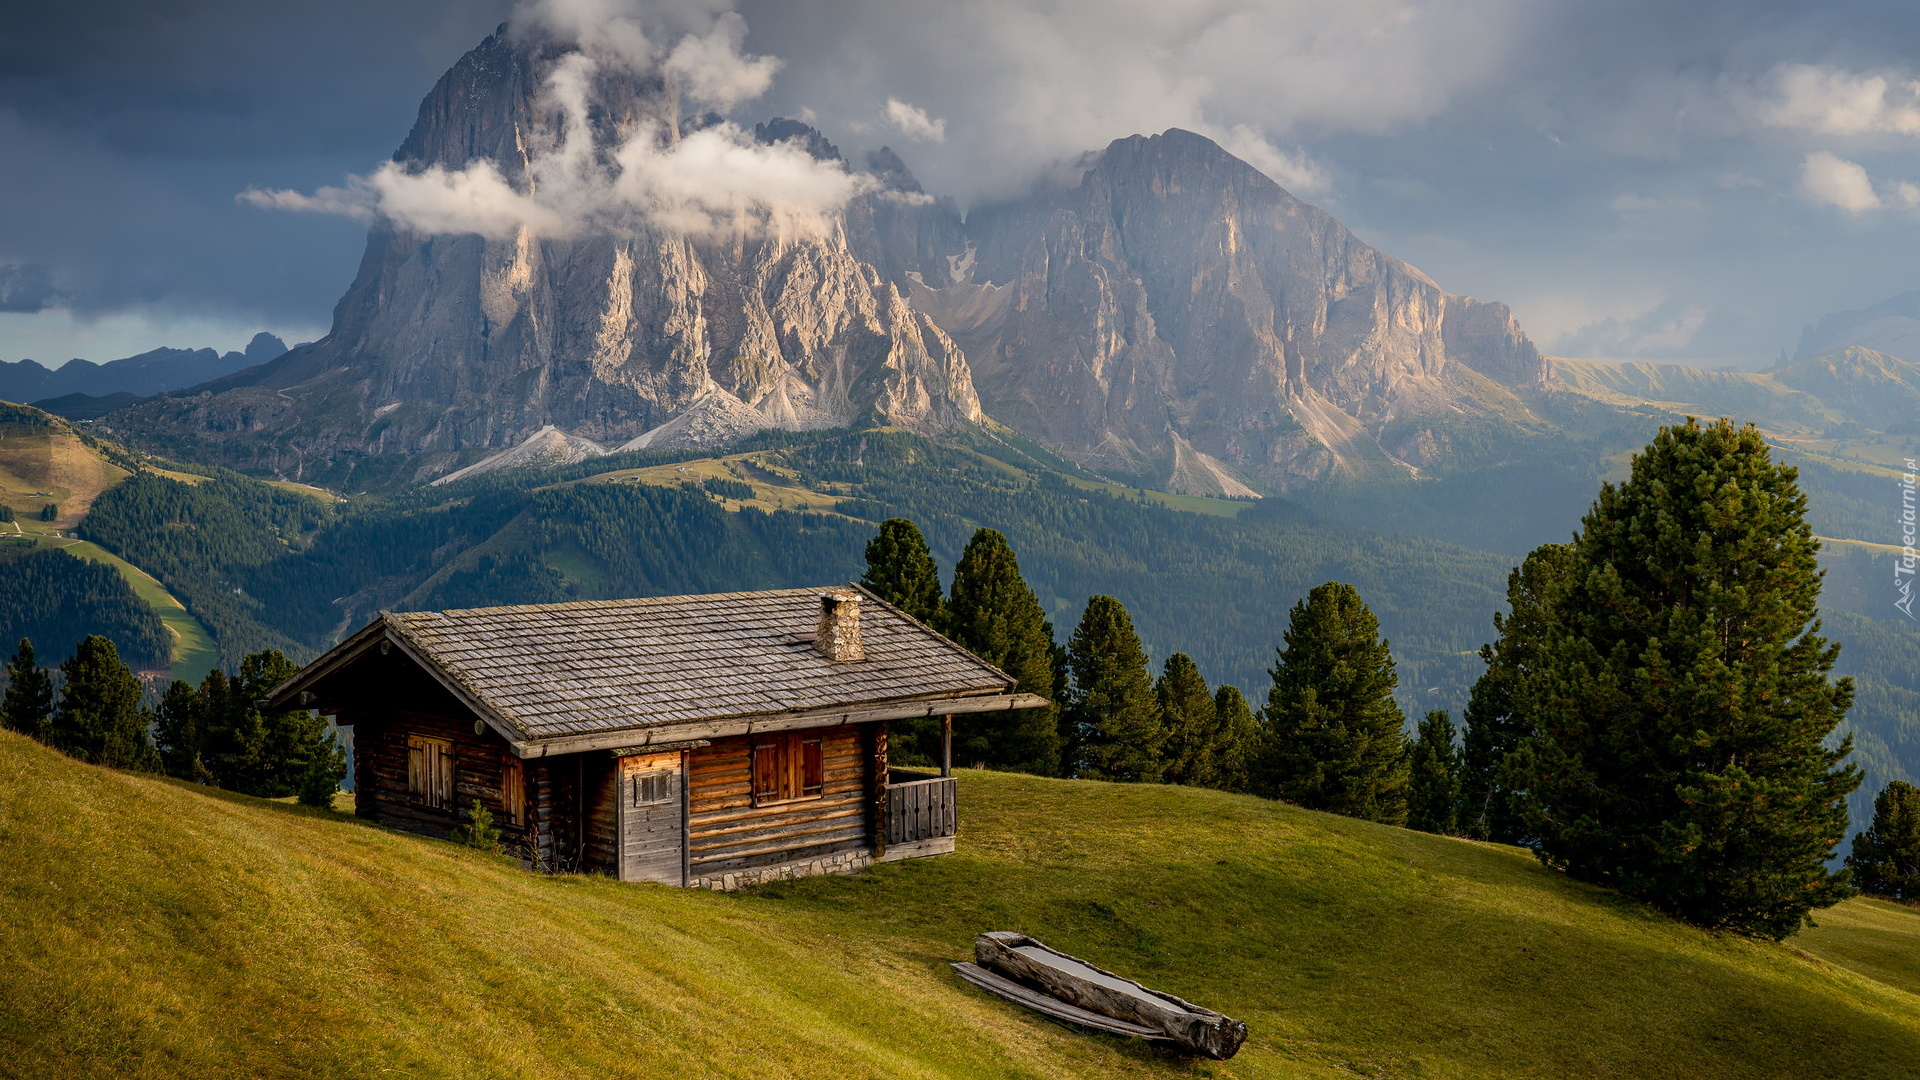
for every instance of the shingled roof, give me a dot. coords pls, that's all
(560, 677)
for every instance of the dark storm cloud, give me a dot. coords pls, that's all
(26, 287)
(1690, 181)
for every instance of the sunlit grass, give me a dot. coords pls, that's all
(148, 928)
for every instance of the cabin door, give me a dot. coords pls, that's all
(653, 818)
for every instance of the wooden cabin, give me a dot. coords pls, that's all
(710, 741)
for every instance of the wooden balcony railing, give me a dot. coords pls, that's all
(919, 807)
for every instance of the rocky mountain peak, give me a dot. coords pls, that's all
(1175, 317)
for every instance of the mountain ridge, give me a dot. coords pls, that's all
(1314, 354)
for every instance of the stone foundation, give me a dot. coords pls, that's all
(845, 862)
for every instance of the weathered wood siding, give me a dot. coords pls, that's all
(409, 703)
(600, 822)
(726, 832)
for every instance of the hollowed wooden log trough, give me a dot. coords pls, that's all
(1024, 971)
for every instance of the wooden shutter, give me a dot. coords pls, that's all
(767, 768)
(513, 790)
(430, 771)
(812, 770)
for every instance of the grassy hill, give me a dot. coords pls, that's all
(45, 460)
(148, 928)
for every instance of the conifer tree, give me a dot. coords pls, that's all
(1115, 716)
(28, 705)
(1334, 738)
(1886, 857)
(992, 612)
(1433, 783)
(1239, 740)
(298, 752)
(1189, 723)
(99, 718)
(1680, 699)
(232, 735)
(1489, 809)
(901, 571)
(179, 733)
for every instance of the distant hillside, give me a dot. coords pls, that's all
(149, 373)
(244, 938)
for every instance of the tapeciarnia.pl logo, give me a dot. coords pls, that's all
(1903, 567)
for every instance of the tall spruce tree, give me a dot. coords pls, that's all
(1489, 807)
(1680, 700)
(28, 705)
(1433, 783)
(299, 753)
(99, 718)
(179, 733)
(1886, 857)
(1239, 740)
(233, 737)
(1115, 715)
(901, 571)
(1189, 723)
(1334, 734)
(992, 612)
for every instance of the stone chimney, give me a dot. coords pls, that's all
(838, 636)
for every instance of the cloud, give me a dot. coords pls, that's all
(1664, 331)
(1832, 101)
(1297, 173)
(1838, 182)
(915, 123)
(713, 70)
(717, 179)
(26, 287)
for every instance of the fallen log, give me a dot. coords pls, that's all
(1021, 970)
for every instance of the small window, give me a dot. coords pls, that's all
(513, 790)
(787, 766)
(652, 787)
(430, 771)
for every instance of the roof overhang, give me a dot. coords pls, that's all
(383, 634)
(640, 738)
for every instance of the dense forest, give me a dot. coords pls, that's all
(57, 599)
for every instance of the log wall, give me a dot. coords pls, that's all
(726, 832)
(410, 703)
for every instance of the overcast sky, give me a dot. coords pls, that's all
(1637, 179)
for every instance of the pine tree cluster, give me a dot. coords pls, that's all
(215, 734)
(1654, 715)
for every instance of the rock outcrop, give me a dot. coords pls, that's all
(460, 342)
(1176, 314)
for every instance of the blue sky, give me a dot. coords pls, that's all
(1638, 180)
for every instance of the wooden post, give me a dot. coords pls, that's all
(946, 745)
(879, 737)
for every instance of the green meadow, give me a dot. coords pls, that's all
(150, 928)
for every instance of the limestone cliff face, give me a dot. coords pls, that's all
(1177, 314)
(459, 342)
(1174, 318)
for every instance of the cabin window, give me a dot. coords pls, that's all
(652, 787)
(786, 766)
(513, 790)
(430, 771)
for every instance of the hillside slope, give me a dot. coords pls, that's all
(152, 929)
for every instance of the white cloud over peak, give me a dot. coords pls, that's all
(914, 122)
(714, 180)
